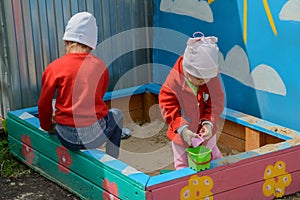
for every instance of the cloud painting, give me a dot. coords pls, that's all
(263, 77)
(290, 11)
(193, 8)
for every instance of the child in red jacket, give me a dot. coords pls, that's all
(192, 98)
(80, 81)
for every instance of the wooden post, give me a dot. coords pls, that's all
(149, 100)
(253, 139)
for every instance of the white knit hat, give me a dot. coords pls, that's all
(82, 28)
(200, 57)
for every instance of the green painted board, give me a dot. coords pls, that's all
(78, 162)
(49, 168)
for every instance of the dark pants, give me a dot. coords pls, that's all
(106, 130)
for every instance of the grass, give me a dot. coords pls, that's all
(9, 165)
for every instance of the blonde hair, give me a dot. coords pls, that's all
(76, 47)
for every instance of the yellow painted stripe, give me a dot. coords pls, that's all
(269, 14)
(210, 1)
(245, 20)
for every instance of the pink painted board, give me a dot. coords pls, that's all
(251, 160)
(236, 175)
(253, 191)
(295, 185)
(167, 192)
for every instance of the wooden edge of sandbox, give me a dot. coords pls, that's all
(254, 127)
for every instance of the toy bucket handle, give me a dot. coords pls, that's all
(202, 163)
(198, 33)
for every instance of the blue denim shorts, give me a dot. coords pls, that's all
(86, 137)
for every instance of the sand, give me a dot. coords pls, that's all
(149, 150)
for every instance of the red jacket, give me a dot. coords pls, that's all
(180, 106)
(80, 80)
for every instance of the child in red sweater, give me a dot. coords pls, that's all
(80, 81)
(192, 98)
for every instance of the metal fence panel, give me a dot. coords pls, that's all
(31, 37)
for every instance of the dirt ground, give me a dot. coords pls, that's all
(148, 142)
(32, 186)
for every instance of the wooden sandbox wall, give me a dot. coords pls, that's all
(267, 167)
(232, 135)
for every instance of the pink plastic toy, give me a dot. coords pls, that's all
(197, 141)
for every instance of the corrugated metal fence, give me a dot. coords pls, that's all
(31, 37)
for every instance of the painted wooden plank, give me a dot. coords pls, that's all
(26, 117)
(153, 88)
(216, 165)
(219, 164)
(32, 122)
(168, 178)
(257, 124)
(125, 92)
(84, 163)
(231, 165)
(50, 169)
(253, 191)
(233, 176)
(46, 143)
(123, 168)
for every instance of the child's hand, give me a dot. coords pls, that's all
(206, 131)
(187, 136)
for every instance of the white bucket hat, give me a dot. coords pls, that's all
(200, 57)
(82, 28)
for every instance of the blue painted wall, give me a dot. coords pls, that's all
(259, 41)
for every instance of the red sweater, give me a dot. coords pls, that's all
(80, 80)
(180, 106)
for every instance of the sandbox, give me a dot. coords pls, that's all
(260, 158)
